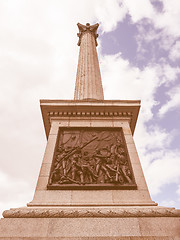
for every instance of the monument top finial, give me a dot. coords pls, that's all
(87, 28)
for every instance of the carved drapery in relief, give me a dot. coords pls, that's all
(94, 158)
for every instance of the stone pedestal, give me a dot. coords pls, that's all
(91, 223)
(95, 114)
(90, 214)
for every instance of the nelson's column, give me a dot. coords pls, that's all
(91, 184)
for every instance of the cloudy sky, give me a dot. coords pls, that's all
(139, 55)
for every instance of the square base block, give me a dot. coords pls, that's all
(90, 228)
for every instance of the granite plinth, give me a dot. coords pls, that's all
(91, 223)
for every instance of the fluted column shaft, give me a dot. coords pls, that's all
(88, 78)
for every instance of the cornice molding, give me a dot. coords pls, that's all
(103, 110)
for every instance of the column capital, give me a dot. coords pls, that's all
(87, 28)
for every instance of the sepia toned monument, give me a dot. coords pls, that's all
(91, 184)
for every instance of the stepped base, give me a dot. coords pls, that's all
(91, 223)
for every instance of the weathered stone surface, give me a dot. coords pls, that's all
(91, 212)
(90, 228)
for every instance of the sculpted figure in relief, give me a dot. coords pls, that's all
(96, 158)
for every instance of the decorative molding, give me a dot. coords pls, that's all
(88, 114)
(87, 28)
(81, 109)
(90, 213)
(84, 114)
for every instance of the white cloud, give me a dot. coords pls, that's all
(174, 102)
(156, 25)
(14, 192)
(139, 9)
(168, 19)
(169, 203)
(175, 51)
(164, 170)
(109, 13)
(124, 81)
(147, 33)
(154, 134)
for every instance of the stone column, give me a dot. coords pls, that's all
(88, 78)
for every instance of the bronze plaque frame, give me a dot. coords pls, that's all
(91, 158)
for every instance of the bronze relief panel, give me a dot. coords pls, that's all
(91, 158)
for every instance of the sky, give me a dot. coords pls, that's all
(139, 56)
